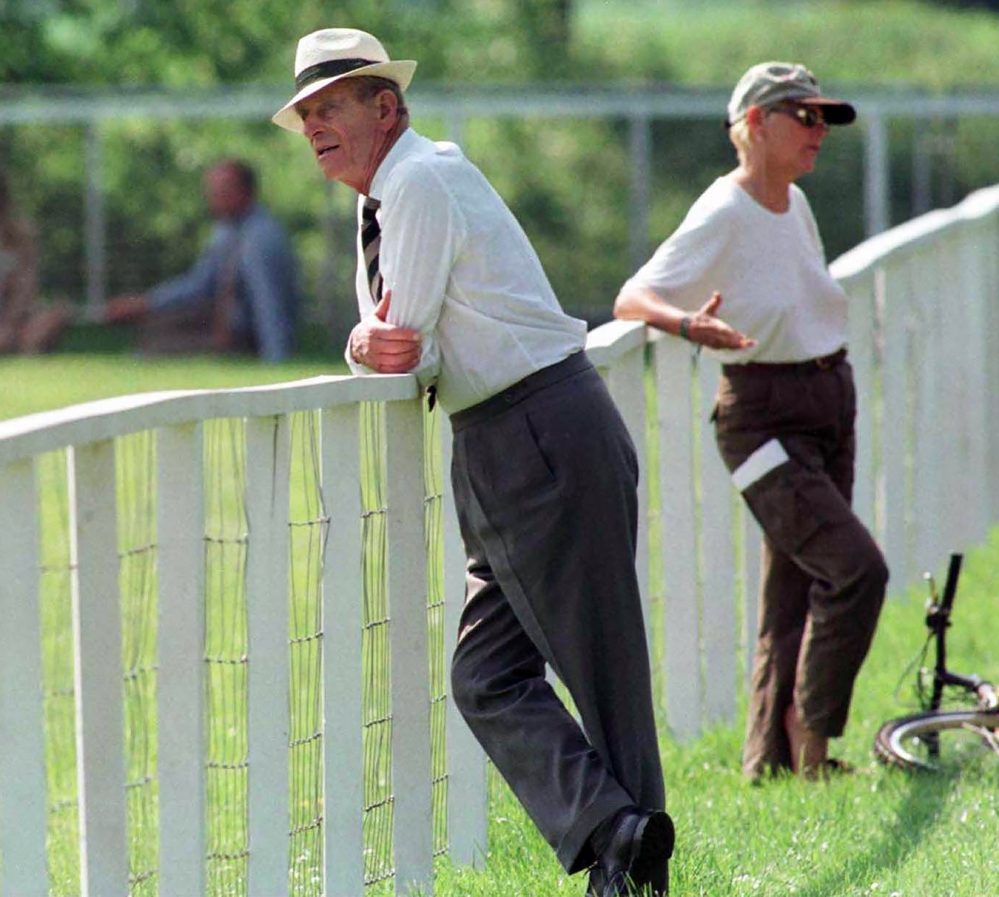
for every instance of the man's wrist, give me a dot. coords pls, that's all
(684, 329)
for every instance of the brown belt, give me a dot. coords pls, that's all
(751, 368)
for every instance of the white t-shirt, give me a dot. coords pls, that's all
(463, 273)
(769, 267)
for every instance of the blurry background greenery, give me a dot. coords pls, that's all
(567, 180)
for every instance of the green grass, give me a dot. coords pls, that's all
(42, 383)
(892, 42)
(879, 832)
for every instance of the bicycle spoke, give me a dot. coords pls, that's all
(943, 740)
(991, 738)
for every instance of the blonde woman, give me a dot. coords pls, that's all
(745, 276)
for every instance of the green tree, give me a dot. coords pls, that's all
(546, 27)
(183, 43)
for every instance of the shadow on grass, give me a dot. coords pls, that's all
(925, 797)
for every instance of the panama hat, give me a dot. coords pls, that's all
(774, 82)
(333, 54)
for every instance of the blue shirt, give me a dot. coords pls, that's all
(266, 281)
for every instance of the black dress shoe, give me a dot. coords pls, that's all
(635, 862)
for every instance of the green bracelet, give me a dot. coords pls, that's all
(684, 330)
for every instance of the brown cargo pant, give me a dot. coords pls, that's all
(786, 432)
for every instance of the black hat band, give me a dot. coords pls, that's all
(330, 70)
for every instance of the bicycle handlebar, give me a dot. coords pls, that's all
(950, 588)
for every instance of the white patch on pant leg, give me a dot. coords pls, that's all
(767, 457)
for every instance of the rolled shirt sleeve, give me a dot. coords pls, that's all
(462, 272)
(422, 232)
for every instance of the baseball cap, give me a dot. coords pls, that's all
(769, 83)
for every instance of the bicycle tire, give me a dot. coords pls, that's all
(937, 739)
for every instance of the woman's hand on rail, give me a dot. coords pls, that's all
(709, 330)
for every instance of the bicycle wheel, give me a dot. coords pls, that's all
(938, 739)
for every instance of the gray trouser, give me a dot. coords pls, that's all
(545, 479)
(822, 577)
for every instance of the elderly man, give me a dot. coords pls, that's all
(241, 295)
(544, 472)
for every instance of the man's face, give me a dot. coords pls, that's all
(343, 131)
(225, 194)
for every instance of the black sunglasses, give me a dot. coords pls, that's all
(806, 116)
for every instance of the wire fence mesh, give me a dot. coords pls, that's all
(227, 539)
(57, 670)
(309, 529)
(135, 489)
(226, 641)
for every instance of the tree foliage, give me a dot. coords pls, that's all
(180, 43)
(567, 180)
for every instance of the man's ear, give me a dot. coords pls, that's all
(387, 104)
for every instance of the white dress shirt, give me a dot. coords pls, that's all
(769, 267)
(463, 273)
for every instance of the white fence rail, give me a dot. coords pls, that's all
(352, 706)
(924, 330)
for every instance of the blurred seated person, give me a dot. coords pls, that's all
(25, 325)
(241, 294)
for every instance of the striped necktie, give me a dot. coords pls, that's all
(371, 241)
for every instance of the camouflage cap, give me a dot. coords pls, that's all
(769, 83)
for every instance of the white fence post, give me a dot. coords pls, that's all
(678, 546)
(99, 686)
(343, 620)
(895, 420)
(407, 591)
(22, 763)
(626, 383)
(717, 562)
(180, 557)
(467, 791)
(929, 439)
(267, 465)
(863, 333)
(937, 429)
(952, 403)
(974, 257)
(991, 302)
